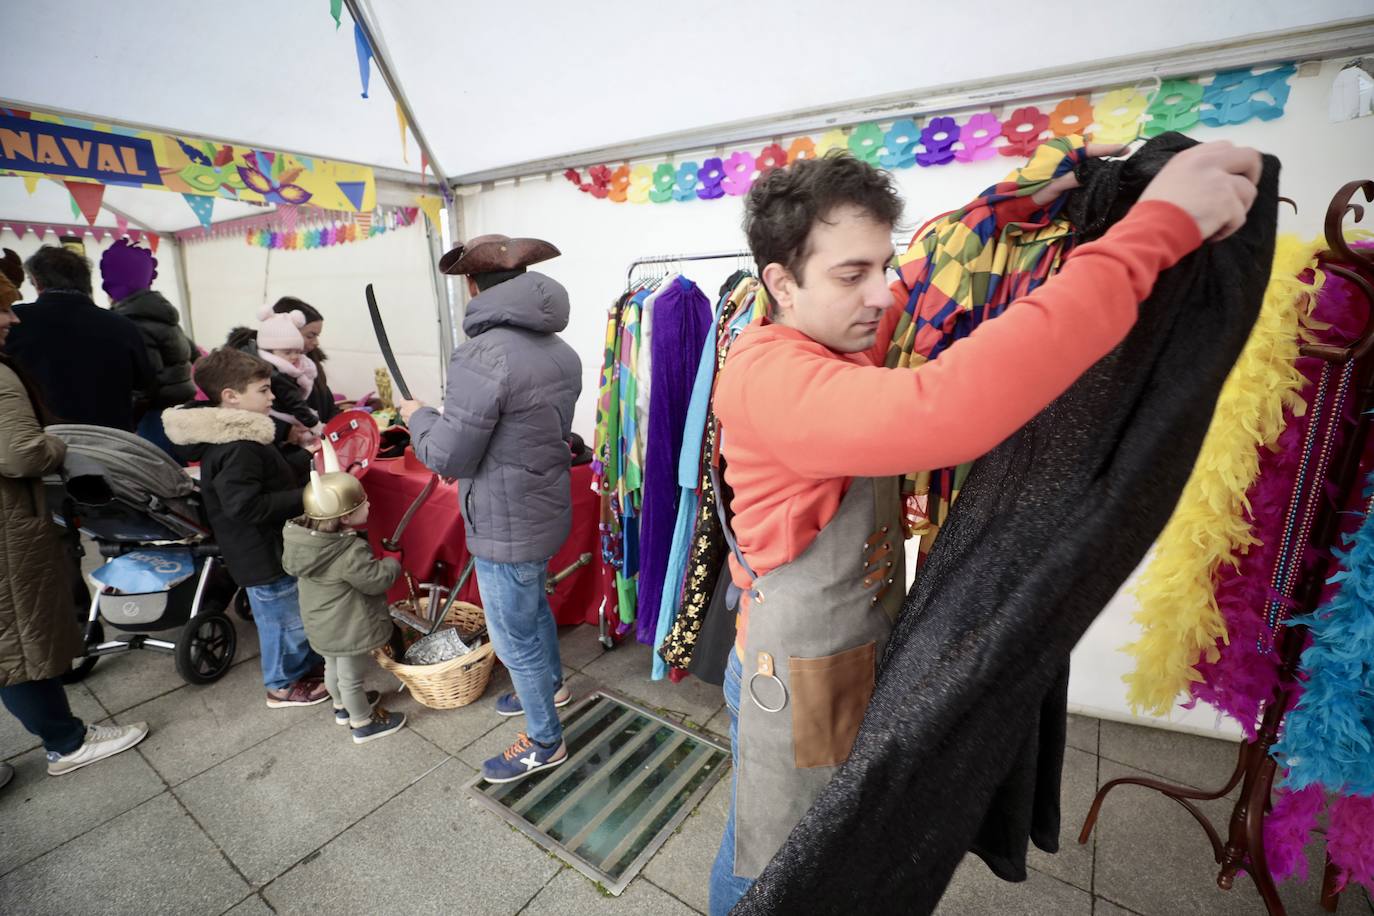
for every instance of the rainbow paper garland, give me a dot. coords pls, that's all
(1118, 116)
(358, 229)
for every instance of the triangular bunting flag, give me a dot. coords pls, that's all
(152, 241)
(401, 119)
(431, 205)
(424, 166)
(336, 10)
(354, 191)
(30, 183)
(364, 56)
(203, 207)
(123, 225)
(86, 198)
(135, 236)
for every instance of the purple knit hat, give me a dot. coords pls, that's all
(126, 269)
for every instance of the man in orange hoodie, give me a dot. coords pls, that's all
(815, 433)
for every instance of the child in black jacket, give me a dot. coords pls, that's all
(250, 489)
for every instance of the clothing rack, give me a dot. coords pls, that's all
(603, 620)
(681, 258)
(1255, 766)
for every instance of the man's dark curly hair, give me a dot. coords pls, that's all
(783, 205)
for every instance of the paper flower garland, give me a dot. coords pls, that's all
(1119, 116)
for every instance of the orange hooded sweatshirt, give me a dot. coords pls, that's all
(799, 420)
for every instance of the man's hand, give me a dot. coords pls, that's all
(407, 409)
(1214, 183)
(1068, 182)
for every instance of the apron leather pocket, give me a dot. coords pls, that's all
(829, 696)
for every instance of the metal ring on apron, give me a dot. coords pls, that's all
(765, 669)
(754, 696)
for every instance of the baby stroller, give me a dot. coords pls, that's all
(145, 515)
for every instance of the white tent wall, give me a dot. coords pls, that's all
(599, 239)
(230, 280)
(166, 282)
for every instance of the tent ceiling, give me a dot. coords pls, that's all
(492, 87)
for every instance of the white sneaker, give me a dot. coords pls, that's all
(101, 741)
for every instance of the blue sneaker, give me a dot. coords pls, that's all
(523, 758)
(383, 723)
(341, 714)
(508, 704)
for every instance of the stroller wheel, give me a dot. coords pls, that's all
(205, 649)
(82, 666)
(242, 607)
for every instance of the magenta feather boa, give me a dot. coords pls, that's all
(1243, 679)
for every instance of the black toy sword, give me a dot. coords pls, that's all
(385, 344)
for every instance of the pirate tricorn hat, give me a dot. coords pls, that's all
(334, 493)
(490, 253)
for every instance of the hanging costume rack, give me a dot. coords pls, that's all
(681, 258)
(1346, 369)
(603, 618)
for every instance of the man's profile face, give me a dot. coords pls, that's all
(843, 291)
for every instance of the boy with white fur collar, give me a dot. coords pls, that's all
(250, 490)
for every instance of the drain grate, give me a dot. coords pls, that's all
(630, 779)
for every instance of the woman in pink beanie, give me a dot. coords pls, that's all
(279, 343)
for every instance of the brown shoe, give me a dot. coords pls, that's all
(305, 692)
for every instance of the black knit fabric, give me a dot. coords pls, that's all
(962, 745)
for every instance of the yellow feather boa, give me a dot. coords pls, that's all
(1178, 611)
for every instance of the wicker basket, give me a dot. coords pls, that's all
(456, 682)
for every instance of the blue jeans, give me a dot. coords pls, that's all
(727, 887)
(525, 637)
(286, 653)
(41, 707)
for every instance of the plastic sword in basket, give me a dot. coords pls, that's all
(393, 544)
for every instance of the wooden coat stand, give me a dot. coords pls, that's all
(1255, 767)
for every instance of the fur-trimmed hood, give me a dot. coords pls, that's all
(201, 424)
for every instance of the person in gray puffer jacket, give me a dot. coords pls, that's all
(503, 433)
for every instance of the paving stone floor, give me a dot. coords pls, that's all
(231, 807)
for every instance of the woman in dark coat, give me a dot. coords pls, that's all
(39, 636)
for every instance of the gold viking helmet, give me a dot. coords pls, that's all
(334, 493)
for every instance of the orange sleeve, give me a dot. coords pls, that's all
(822, 417)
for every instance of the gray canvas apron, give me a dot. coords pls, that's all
(816, 629)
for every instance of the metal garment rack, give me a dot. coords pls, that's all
(603, 620)
(683, 258)
(1256, 768)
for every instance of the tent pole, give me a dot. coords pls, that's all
(382, 59)
(184, 286)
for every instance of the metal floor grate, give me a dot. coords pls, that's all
(630, 779)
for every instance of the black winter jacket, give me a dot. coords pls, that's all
(169, 350)
(249, 487)
(89, 364)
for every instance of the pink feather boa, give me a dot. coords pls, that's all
(1243, 679)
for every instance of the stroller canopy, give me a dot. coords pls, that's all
(110, 462)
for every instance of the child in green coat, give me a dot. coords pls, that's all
(343, 594)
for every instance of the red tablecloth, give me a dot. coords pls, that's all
(436, 536)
